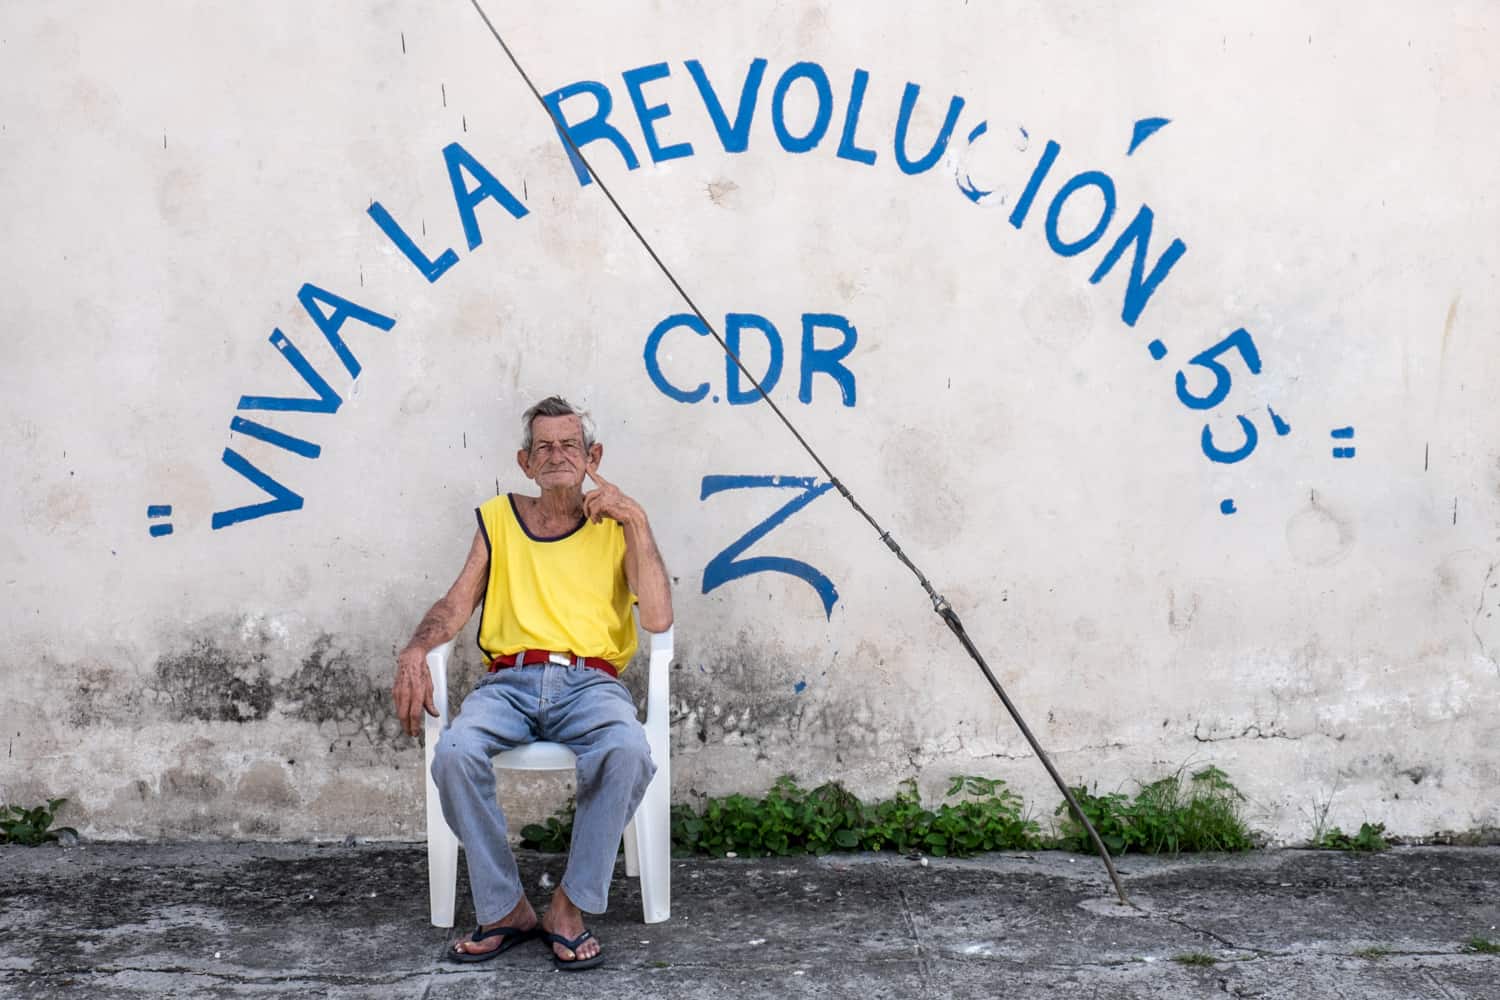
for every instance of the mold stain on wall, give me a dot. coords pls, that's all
(330, 689)
(740, 693)
(212, 682)
(207, 683)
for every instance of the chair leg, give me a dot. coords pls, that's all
(653, 837)
(442, 843)
(632, 851)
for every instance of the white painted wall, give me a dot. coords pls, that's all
(172, 174)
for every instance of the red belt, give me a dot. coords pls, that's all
(527, 657)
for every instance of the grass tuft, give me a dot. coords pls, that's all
(1477, 945)
(1194, 958)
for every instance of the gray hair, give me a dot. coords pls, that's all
(556, 406)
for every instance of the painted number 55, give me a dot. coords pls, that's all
(1240, 341)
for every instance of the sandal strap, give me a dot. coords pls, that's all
(480, 934)
(570, 943)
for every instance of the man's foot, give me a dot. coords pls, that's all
(564, 926)
(520, 924)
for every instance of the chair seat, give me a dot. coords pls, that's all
(540, 756)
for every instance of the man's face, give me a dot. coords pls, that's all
(557, 458)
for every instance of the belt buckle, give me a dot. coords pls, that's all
(561, 659)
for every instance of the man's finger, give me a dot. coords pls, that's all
(593, 473)
(411, 712)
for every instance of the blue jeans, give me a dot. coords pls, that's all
(587, 711)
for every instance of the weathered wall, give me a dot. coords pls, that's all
(986, 371)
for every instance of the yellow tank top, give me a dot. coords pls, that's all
(566, 594)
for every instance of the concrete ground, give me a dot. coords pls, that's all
(268, 920)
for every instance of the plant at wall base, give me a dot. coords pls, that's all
(1170, 815)
(31, 827)
(1107, 814)
(1371, 838)
(1477, 945)
(1195, 813)
(1319, 815)
(552, 836)
(987, 816)
(897, 824)
(789, 820)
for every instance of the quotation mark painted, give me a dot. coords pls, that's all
(1143, 130)
(159, 510)
(1343, 434)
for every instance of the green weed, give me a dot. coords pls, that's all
(1169, 816)
(1477, 945)
(1371, 837)
(1196, 813)
(31, 827)
(554, 836)
(984, 816)
(1372, 952)
(1194, 958)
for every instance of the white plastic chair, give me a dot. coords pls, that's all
(648, 837)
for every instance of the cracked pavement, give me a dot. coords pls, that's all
(269, 920)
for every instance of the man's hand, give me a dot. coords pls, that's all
(608, 501)
(413, 690)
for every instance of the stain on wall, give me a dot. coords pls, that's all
(207, 683)
(332, 688)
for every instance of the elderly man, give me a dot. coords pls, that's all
(557, 575)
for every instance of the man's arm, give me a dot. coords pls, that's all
(413, 687)
(647, 573)
(644, 569)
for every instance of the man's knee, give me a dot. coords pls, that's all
(623, 748)
(457, 756)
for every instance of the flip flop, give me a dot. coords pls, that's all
(512, 936)
(572, 944)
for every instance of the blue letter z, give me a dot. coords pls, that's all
(725, 566)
